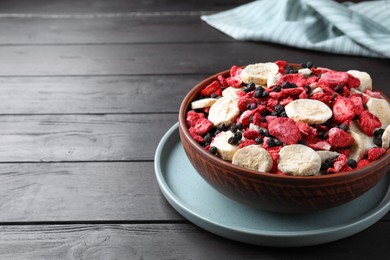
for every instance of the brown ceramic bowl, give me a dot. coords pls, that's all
(273, 192)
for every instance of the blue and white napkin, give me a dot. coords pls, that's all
(357, 29)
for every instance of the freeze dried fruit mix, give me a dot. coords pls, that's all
(297, 120)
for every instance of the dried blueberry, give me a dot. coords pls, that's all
(258, 93)
(239, 126)
(233, 140)
(276, 88)
(265, 94)
(259, 140)
(214, 95)
(279, 108)
(286, 84)
(238, 135)
(378, 141)
(307, 88)
(271, 142)
(233, 128)
(352, 163)
(283, 114)
(207, 138)
(339, 89)
(213, 150)
(324, 167)
(344, 127)
(302, 141)
(278, 142)
(379, 132)
(309, 64)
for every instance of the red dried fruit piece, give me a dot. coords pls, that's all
(346, 168)
(246, 115)
(319, 70)
(353, 82)
(235, 82)
(285, 101)
(218, 92)
(373, 94)
(323, 97)
(338, 164)
(251, 134)
(195, 136)
(274, 153)
(192, 117)
(343, 110)
(285, 129)
(211, 88)
(223, 81)
(297, 79)
(271, 103)
(369, 122)
(311, 79)
(357, 102)
(339, 139)
(362, 163)
(246, 143)
(235, 71)
(202, 126)
(375, 153)
(320, 145)
(303, 95)
(305, 129)
(292, 91)
(282, 65)
(333, 78)
(244, 101)
(256, 119)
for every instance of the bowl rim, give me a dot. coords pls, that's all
(184, 107)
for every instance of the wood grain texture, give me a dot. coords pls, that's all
(149, 59)
(81, 138)
(93, 6)
(86, 95)
(82, 192)
(170, 241)
(84, 29)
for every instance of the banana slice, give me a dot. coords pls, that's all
(297, 159)
(253, 157)
(364, 77)
(386, 138)
(317, 90)
(327, 155)
(231, 92)
(225, 150)
(305, 72)
(223, 111)
(273, 79)
(259, 73)
(368, 141)
(202, 103)
(380, 108)
(358, 149)
(308, 111)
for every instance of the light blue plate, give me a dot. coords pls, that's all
(197, 201)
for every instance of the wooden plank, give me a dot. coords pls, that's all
(56, 192)
(81, 138)
(120, 94)
(113, 6)
(82, 191)
(170, 241)
(147, 59)
(90, 30)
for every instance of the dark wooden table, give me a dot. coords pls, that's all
(87, 90)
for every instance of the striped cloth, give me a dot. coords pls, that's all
(357, 29)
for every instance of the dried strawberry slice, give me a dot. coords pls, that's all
(333, 78)
(357, 102)
(192, 117)
(339, 139)
(251, 134)
(282, 65)
(202, 126)
(297, 79)
(375, 153)
(235, 71)
(352, 82)
(338, 164)
(285, 129)
(246, 143)
(369, 122)
(195, 136)
(244, 101)
(343, 110)
(323, 97)
(319, 70)
(362, 163)
(209, 89)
